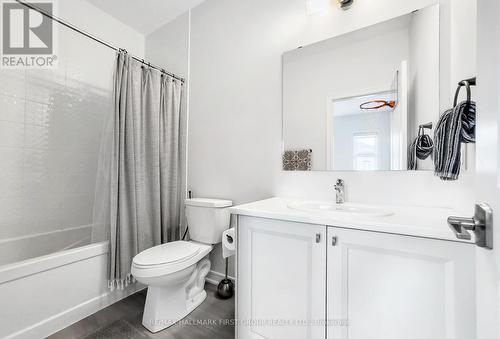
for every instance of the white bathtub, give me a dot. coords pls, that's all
(14, 250)
(42, 295)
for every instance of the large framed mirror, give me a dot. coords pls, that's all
(356, 102)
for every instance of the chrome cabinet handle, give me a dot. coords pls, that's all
(334, 241)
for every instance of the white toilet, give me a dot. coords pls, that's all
(175, 272)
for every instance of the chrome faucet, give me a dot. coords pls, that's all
(339, 191)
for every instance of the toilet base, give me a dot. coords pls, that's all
(166, 305)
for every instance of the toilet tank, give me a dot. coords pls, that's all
(207, 219)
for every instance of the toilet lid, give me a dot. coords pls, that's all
(169, 253)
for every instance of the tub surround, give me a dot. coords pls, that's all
(418, 221)
(15, 250)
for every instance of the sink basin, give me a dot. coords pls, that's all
(347, 209)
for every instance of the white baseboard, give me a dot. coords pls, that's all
(214, 277)
(68, 317)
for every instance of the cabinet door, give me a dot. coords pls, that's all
(281, 279)
(391, 287)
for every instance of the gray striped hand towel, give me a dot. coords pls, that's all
(455, 126)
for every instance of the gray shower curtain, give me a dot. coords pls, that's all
(145, 158)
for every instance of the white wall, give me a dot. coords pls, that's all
(235, 105)
(169, 46)
(91, 19)
(488, 155)
(424, 74)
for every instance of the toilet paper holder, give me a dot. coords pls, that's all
(229, 243)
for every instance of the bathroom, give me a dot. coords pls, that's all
(232, 76)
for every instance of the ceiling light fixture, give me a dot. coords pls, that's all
(345, 4)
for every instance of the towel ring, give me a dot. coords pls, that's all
(467, 83)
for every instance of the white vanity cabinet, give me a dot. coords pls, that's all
(391, 286)
(298, 281)
(281, 279)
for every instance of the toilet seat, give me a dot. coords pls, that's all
(168, 258)
(169, 253)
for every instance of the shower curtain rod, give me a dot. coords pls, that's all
(90, 36)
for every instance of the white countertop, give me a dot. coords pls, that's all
(428, 222)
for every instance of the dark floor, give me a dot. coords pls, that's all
(123, 320)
